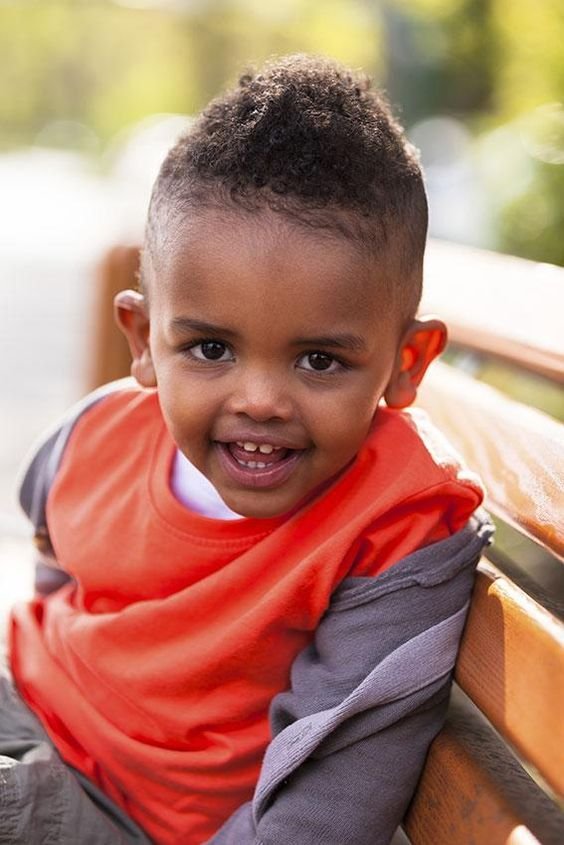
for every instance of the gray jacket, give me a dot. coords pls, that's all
(367, 697)
(350, 736)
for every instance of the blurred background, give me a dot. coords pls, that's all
(92, 94)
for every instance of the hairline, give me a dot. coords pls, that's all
(382, 239)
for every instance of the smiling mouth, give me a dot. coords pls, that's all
(253, 465)
(257, 457)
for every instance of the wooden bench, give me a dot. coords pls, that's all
(495, 774)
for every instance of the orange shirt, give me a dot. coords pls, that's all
(154, 673)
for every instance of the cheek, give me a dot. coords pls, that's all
(343, 428)
(186, 415)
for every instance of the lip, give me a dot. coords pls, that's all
(271, 476)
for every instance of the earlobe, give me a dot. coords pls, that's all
(133, 319)
(421, 343)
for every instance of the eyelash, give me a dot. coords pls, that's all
(340, 364)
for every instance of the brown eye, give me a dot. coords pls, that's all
(319, 362)
(211, 350)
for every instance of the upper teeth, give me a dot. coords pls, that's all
(264, 448)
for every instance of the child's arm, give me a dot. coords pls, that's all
(367, 698)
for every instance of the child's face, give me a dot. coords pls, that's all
(271, 345)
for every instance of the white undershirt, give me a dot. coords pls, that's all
(195, 492)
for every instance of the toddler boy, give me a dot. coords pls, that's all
(270, 567)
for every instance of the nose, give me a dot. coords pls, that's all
(262, 395)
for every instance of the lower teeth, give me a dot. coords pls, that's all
(252, 464)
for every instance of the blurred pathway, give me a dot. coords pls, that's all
(56, 218)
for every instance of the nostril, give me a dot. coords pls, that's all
(261, 396)
(261, 409)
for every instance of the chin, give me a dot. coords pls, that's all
(259, 509)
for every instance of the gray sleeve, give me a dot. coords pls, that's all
(34, 490)
(367, 697)
(356, 794)
(39, 475)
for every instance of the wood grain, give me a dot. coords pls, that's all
(473, 791)
(538, 361)
(517, 451)
(109, 353)
(511, 664)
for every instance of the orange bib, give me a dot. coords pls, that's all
(153, 673)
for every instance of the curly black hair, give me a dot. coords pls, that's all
(310, 139)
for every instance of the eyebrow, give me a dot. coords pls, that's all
(186, 325)
(336, 341)
(343, 340)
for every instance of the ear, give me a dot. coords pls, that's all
(132, 317)
(423, 340)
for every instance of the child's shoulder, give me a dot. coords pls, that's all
(123, 396)
(408, 441)
(119, 405)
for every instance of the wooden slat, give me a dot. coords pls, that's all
(538, 361)
(473, 791)
(517, 451)
(499, 304)
(511, 664)
(109, 353)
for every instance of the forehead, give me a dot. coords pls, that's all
(224, 256)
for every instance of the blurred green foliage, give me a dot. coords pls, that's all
(108, 65)
(101, 66)
(443, 55)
